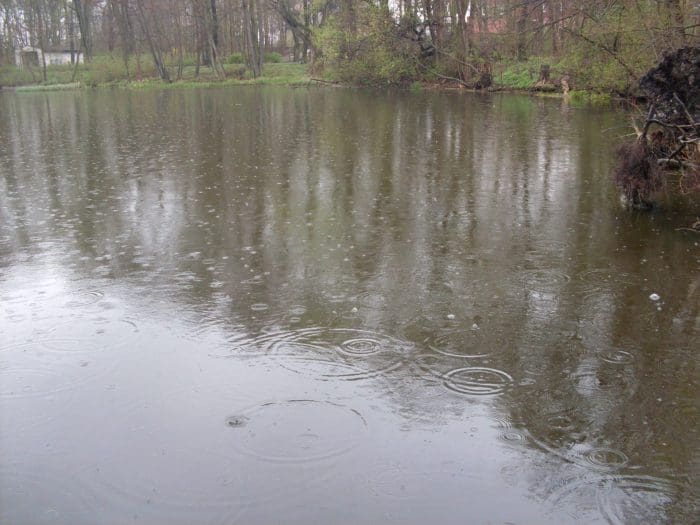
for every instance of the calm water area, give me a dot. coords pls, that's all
(330, 306)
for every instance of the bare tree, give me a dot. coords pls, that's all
(252, 41)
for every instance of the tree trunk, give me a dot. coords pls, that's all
(250, 30)
(154, 49)
(83, 12)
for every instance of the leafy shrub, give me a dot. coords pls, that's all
(377, 56)
(102, 69)
(273, 58)
(517, 79)
(235, 58)
(524, 75)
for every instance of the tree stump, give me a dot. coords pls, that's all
(565, 88)
(485, 77)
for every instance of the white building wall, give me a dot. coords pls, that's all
(58, 59)
(53, 58)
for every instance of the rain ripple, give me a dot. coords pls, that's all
(477, 380)
(372, 299)
(43, 496)
(460, 343)
(465, 380)
(622, 499)
(30, 370)
(542, 280)
(297, 431)
(634, 499)
(84, 298)
(334, 353)
(606, 458)
(89, 335)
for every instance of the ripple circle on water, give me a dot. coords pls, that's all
(85, 298)
(259, 307)
(372, 299)
(542, 280)
(477, 381)
(618, 357)
(29, 371)
(361, 346)
(459, 343)
(327, 353)
(607, 458)
(635, 499)
(301, 430)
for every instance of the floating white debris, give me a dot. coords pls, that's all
(450, 316)
(354, 309)
(654, 297)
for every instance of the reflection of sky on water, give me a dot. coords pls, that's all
(453, 267)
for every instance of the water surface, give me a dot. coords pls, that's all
(333, 306)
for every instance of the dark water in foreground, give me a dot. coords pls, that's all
(321, 306)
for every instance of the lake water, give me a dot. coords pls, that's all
(316, 306)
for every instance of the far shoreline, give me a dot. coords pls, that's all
(578, 96)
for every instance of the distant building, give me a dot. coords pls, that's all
(32, 57)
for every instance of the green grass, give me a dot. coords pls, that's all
(235, 58)
(12, 76)
(516, 79)
(273, 75)
(48, 87)
(106, 70)
(520, 75)
(272, 58)
(109, 70)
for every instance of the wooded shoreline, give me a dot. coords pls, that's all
(597, 47)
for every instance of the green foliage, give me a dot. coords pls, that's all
(611, 54)
(12, 76)
(517, 79)
(189, 61)
(286, 70)
(272, 58)
(594, 72)
(377, 55)
(524, 75)
(102, 69)
(235, 58)
(416, 87)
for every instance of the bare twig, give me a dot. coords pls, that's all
(677, 163)
(648, 123)
(691, 121)
(605, 48)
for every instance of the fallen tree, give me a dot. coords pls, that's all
(669, 140)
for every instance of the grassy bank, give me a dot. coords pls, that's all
(140, 74)
(108, 71)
